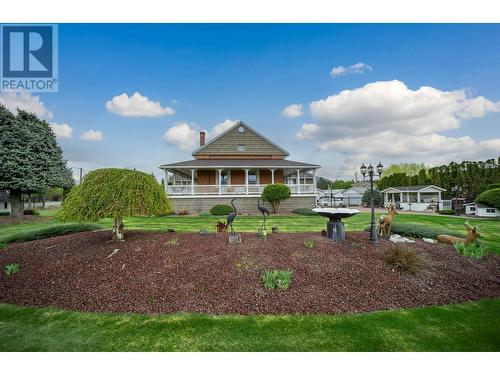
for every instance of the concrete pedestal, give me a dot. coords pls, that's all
(335, 231)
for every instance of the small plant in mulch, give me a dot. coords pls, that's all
(11, 269)
(262, 233)
(402, 257)
(473, 250)
(172, 242)
(276, 279)
(2, 245)
(308, 244)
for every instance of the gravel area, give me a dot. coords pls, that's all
(172, 272)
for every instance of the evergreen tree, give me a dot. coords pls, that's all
(30, 158)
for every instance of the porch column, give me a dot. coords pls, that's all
(192, 181)
(246, 181)
(386, 197)
(272, 176)
(298, 181)
(408, 197)
(220, 181)
(166, 180)
(314, 179)
(418, 196)
(400, 197)
(439, 196)
(173, 179)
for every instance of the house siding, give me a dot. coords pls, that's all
(255, 146)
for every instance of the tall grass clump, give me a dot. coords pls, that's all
(402, 257)
(276, 279)
(472, 250)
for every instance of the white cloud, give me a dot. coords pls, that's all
(183, 135)
(137, 106)
(62, 131)
(357, 68)
(292, 111)
(186, 135)
(25, 101)
(92, 136)
(220, 128)
(388, 121)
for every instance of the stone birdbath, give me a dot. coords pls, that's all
(335, 228)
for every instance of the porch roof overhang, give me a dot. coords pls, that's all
(413, 189)
(239, 164)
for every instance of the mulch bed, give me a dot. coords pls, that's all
(152, 274)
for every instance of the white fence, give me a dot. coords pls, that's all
(252, 189)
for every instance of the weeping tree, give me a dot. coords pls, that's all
(30, 158)
(115, 193)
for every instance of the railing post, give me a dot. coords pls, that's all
(298, 181)
(192, 181)
(246, 181)
(220, 181)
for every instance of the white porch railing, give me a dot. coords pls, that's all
(202, 190)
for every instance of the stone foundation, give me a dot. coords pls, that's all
(244, 205)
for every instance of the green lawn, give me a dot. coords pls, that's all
(464, 327)
(489, 228)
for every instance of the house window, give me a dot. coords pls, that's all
(490, 210)
(224, 178)
(240, 147)
(472, 208)
(5, 205)
(252, 177)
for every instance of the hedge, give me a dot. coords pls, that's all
(447, 212)
(221, 209)
(490, 198)
(52, 231)
(420, 231)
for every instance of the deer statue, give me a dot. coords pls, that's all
(385, 221)
(472, 234)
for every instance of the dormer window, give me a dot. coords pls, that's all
(240, 148)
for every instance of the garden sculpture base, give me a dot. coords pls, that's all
(234, 238)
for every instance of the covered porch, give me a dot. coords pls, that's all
(227, 178)
(414, 198)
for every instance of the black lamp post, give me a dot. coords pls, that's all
(371, 172)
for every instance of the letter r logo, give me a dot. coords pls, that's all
(27, 51)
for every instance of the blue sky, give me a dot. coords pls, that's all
(208, 74)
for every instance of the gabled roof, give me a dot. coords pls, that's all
(266, 146)
(412, 189)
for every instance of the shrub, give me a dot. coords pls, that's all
(2, 245)
(402, 257)
(496, 185)
(275, 194)
(30, 212)
(304, 211)
(490, 198)
(54, 230)
(447, 212)
(472, 250)
(309, 244)
(276, 279)
(221, 209)
(377, 197)
(204, 214)
(11, 268)
(262, 233)
(420, 231)
(183, 212)
(4, 213)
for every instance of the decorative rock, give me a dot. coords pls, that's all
(234, 239)
(396, 238)
(428, 240)
(274, 229)
(204, 232)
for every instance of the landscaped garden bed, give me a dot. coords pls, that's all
(172, 272)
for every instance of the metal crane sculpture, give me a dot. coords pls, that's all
(231, 217)
(264, 211)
